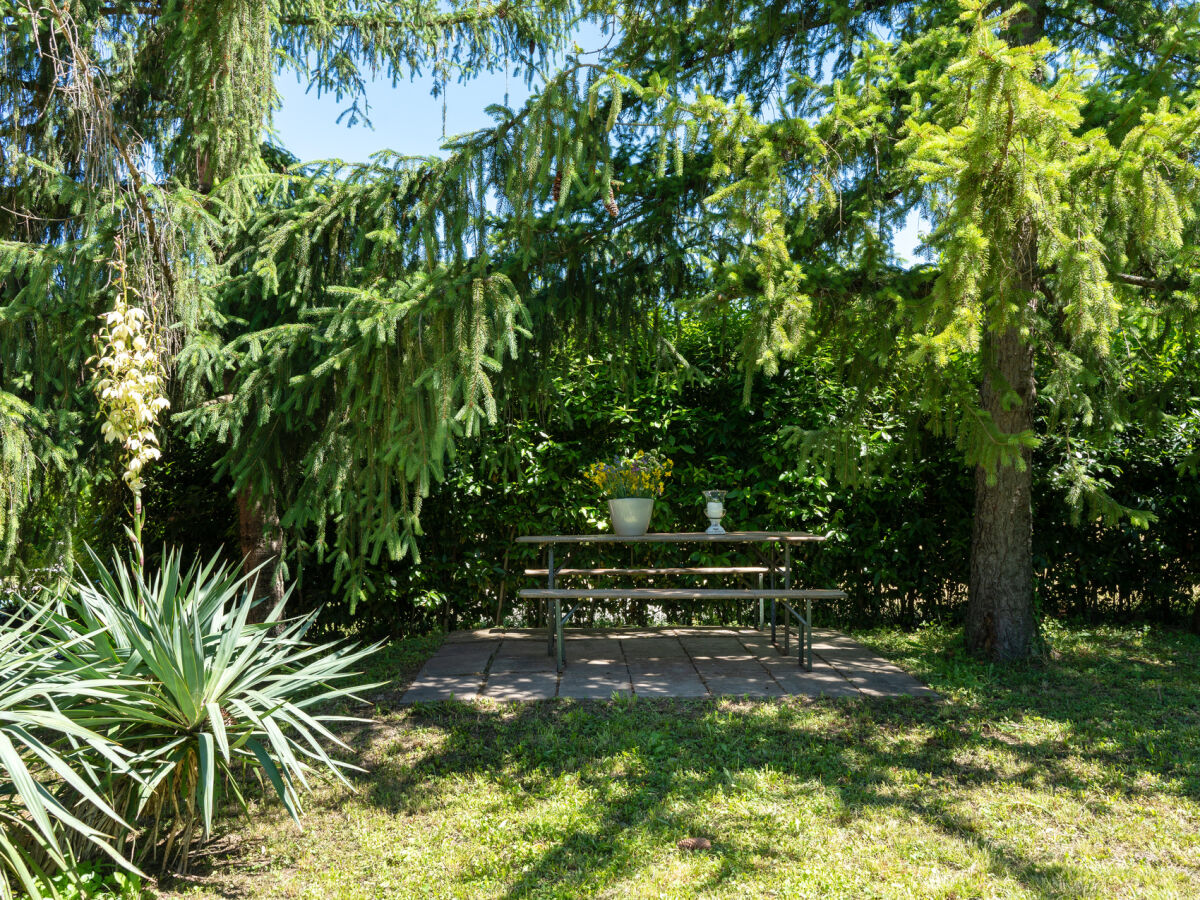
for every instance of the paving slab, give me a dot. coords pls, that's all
(724, 668)
(668, 686)
(595, 649)
(889, 685)
(526, 686)
(592, 664)
(653, 648)
(822, 681)
(594, 682)
(624, 634)
(479, 634)
(726, 686)
(437, 688)
(834, 640)
(871, 675)
(516, 665)
(520, 647)
(756, 642)
(703, 631)
(661, 668)
(715, 648)
(461, 658)
(522, 634)
(512, 664)
(591, 669)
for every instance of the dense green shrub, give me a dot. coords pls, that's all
(901, 528)
(1091, 570)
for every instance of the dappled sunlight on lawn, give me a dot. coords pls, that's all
(1077, 778)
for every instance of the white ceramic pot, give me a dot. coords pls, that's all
(631, 515)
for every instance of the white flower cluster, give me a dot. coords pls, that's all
(129, 387)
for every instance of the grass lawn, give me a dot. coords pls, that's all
(1076, 778)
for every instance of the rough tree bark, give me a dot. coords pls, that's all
(1000, 623)
(262, 545)
(1000, 609)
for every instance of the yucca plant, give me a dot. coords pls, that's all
(216, 696)
(49, 740)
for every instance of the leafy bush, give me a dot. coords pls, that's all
(207, 696)
(901, 536)
(901, 521)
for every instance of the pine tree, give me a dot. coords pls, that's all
(140, 125)
(1054, 148)
(342, 329)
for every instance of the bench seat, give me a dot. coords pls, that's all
(685, 570)
(680, 594)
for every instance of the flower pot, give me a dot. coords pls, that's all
(631, 515)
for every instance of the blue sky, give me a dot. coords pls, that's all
(408, 119)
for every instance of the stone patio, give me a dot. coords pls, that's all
(512, 664)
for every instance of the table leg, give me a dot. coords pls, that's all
(787, 609)
(550, 628)
(761, 604)
(773, 560)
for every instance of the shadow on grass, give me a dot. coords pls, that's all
(1113, 716)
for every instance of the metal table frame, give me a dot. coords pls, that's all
(772, 539)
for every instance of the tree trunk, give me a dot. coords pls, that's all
(262, 545)
(1000, 623)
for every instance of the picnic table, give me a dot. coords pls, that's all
(775, 555)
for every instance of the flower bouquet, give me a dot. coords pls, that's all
(631, 483)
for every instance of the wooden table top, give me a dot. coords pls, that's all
(667, 537)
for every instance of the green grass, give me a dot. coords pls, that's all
(1076, 778)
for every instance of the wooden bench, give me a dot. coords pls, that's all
(780, 595)
(776, 546)
(685, 570)
(651, 572)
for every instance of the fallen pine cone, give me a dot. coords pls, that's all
(694, 844)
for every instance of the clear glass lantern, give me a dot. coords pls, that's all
(714, 508)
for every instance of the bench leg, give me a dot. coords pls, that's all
(808, 629)
(558, 632)
(787, 628)
(549, 632)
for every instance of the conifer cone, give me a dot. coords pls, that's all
(611, 204)
(556, 192)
